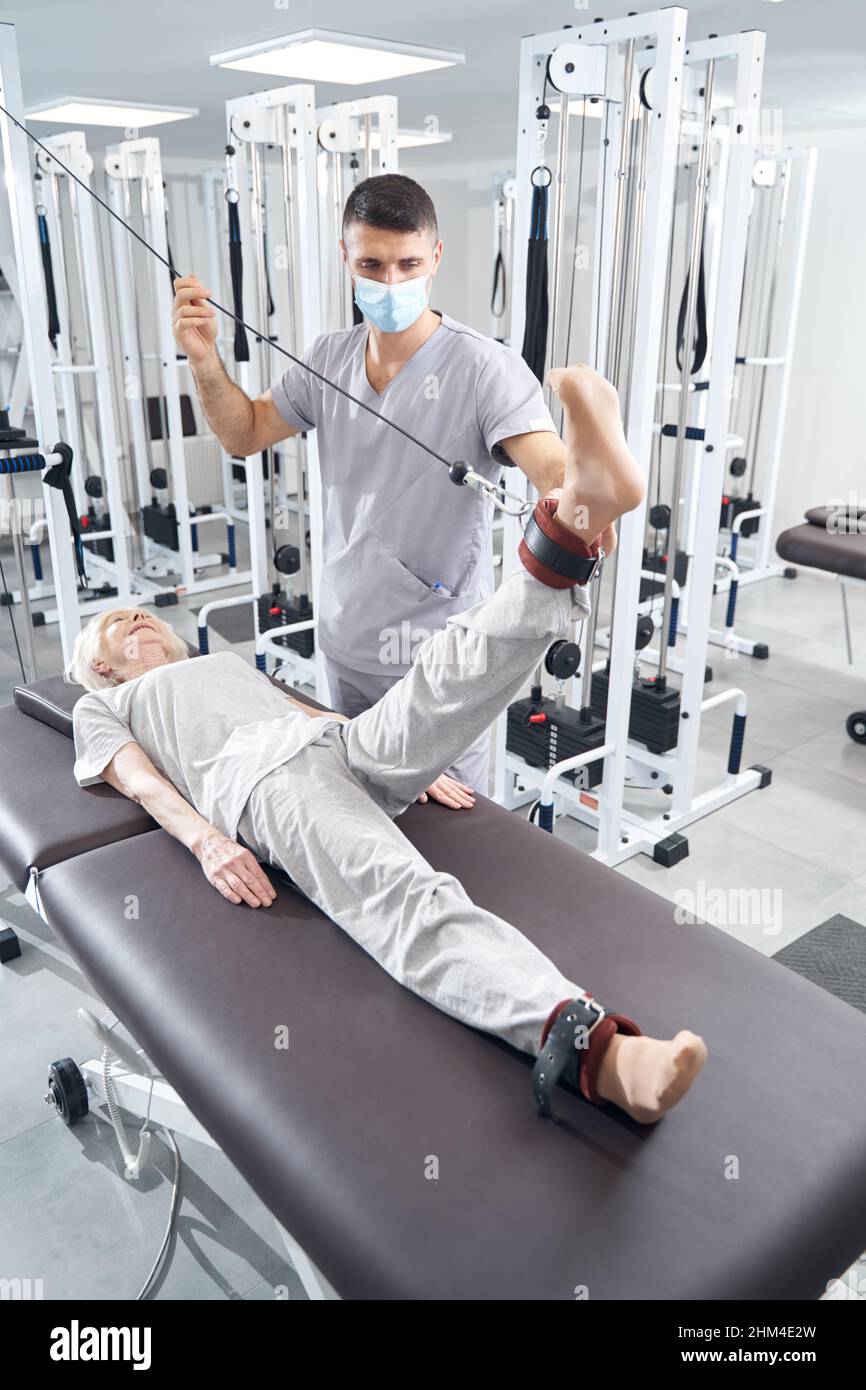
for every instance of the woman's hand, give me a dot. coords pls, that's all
(233, 870)
(193, 320)
(450, 792)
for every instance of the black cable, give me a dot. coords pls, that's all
(698, 348)
(236, 265)
(271, 306)
(498, 281)
(48, 270)
(255, 332)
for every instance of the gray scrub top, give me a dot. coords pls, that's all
(403, 548)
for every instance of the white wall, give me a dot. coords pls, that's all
(825, 450)
(462, 195)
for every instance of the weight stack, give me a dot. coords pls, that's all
(731, 508)
(92, 522)
(655, 714)
(658, 563)
(160, 525)
(560, 734)
(276, 610)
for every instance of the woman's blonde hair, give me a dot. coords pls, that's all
(88, 646)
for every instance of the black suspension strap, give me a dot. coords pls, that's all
(236, 258)
(537, 306)
(699, 347)
(534, 347)
(236, 266)
(499, 264)
(498, 283)
(271, 306)
(48, 268)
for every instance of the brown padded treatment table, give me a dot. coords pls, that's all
(840, 551)
(336, 1134)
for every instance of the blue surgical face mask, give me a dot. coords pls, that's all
(392, 308)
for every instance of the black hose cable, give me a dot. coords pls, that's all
(498, 283)
(170, 256)
(48, 268)
(277, 347)
(271, 306)
(698, 348)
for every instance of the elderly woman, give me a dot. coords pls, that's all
(241, 772)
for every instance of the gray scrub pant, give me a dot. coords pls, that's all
(326, 818)
(352, 692)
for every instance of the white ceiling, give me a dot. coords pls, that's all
(157, 51)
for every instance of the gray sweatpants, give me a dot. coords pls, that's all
(352, 692)
(326, 817)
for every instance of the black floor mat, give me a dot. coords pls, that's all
(833, 956)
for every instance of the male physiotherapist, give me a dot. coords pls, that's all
(403, 548)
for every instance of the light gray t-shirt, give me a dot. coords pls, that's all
(212, 725)
(403, 547)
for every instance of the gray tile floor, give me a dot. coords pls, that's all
(69, 1218)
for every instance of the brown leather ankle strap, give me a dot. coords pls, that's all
(551, 553)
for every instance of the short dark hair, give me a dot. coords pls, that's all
(393, 202)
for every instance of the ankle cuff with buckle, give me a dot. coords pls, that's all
(552, 554)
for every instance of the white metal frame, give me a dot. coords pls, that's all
(753, 555)
(711, 454)
(622, 833)
(138, 162)
(286, 118)
(22, 209)
(287, 115)
(71, 151)
(213, 191)
(597, 67)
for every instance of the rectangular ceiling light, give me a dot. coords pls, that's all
(410, 139)
(101, 111)
(322, 55)
(406, 139)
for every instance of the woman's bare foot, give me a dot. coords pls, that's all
(647, 1076)
(602, 479)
